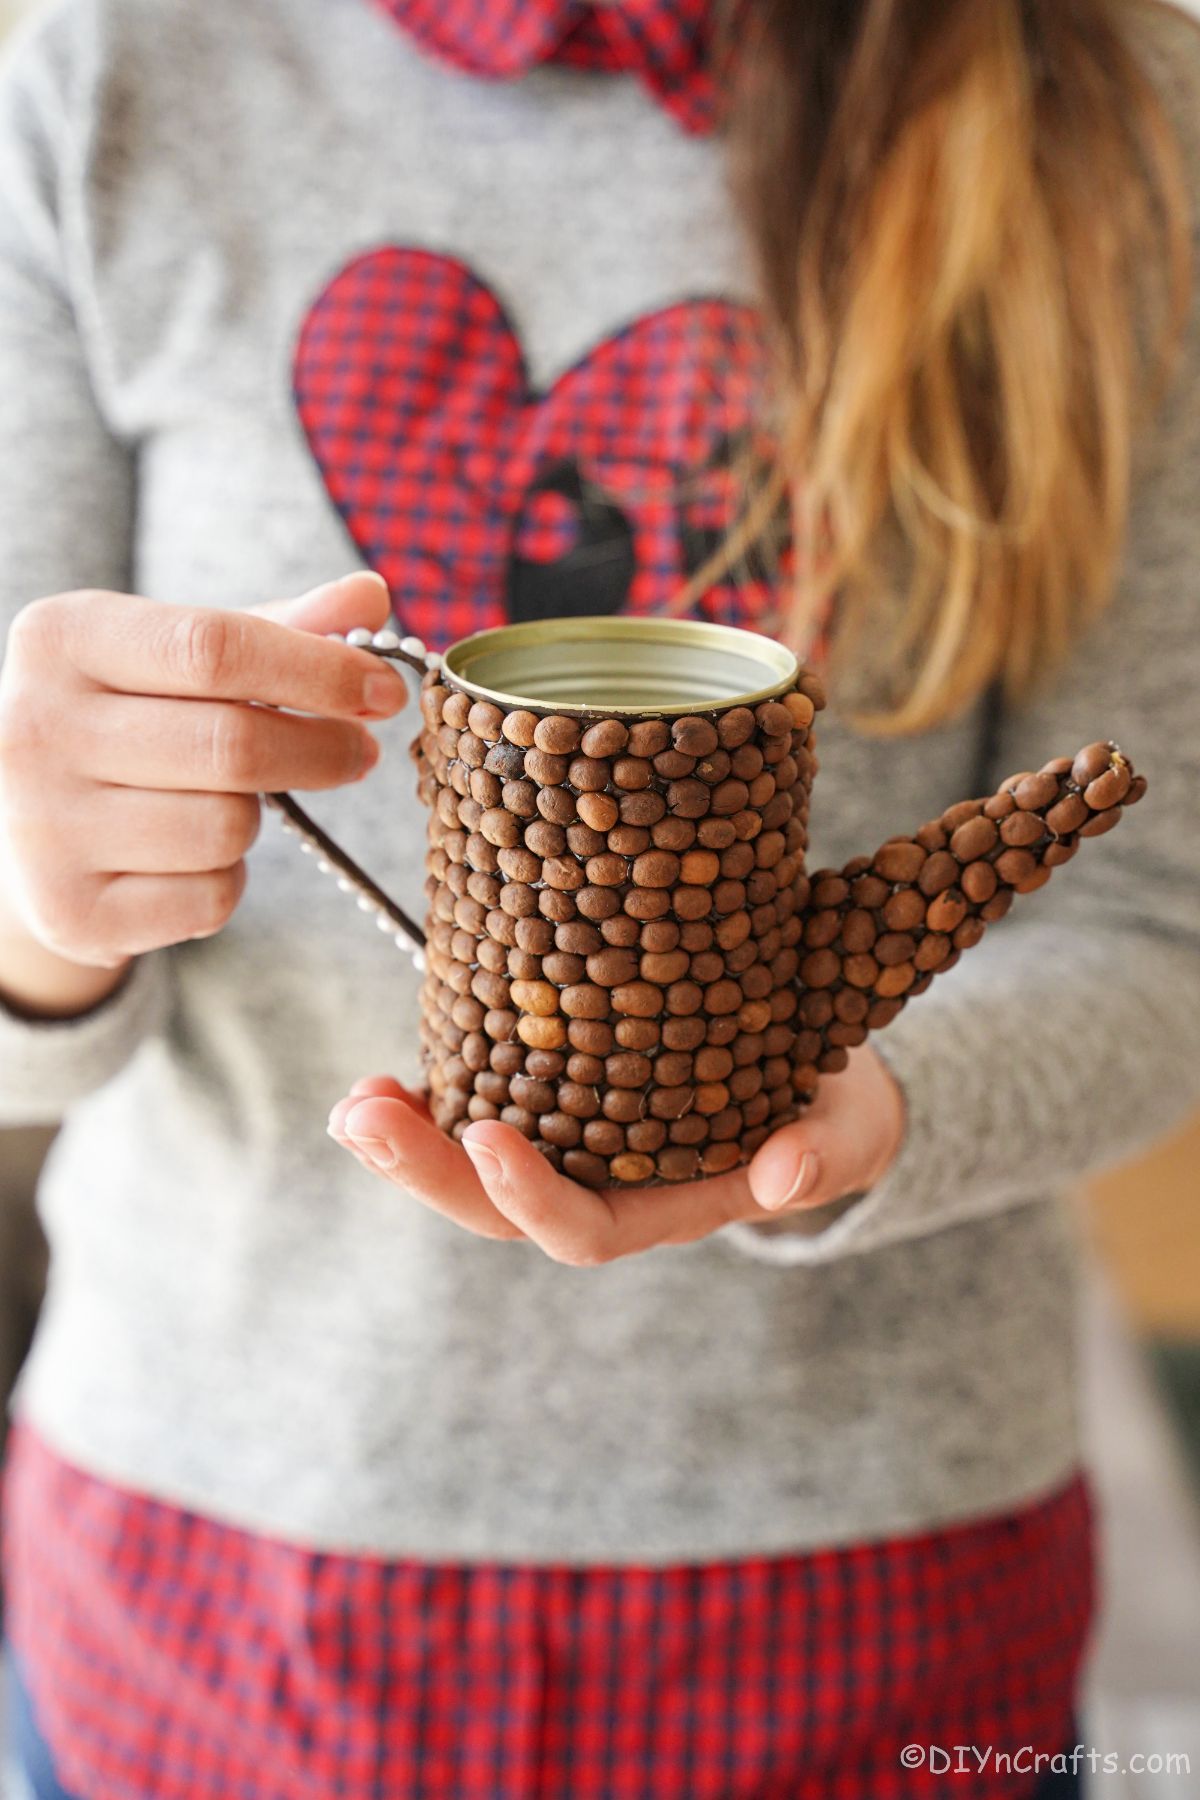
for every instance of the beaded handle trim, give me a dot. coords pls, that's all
(405, 933)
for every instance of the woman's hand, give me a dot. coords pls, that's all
(497, 1185)
(131, 759)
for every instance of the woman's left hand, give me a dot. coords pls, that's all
(496, 1184)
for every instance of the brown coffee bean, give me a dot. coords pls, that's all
(821, 969)
(699, 868)
(544, 1065)
(860, 971)
(556, 804)
(648, 736)
(729, 797)
(683, 1033)
(1090, 763)
(598, 902)
(997, 906)
(671, 1102)
(938, 872)
(673, 765)
(519, 798)
(1068, 815)
(733, 930)
(688, 799)
(490, 988)
(558, 734)
(597, 810)
(973, 839)
(500, 1025)
(659, 935)
(563, 873)
(646, 903)
(716, 834)
(590, 1171)
(683, 998)
(456, 710)
(519, 727)
(664, 968)
(1099, 823)
(485, 721)
(1015, 866)
(672, 834)
(900, 860)
(850, 1005)
(1022, 829)
(637, 1034)
(718, 1159)
(696, 934)
(722, 997)
(585, 1069)
(627, 1069)
(534, 1096)
(1108, 789)
(1036, 791)
(679, 1162)
(605, 738)
(583, 842)
(656, 869)
(609, 967)
(932, 951)
(560, 1129)
(632, 773)
(641, 999)
(894, 947)
(947, 912)
(555, 905)
(931, 837)
(904, 910)
(644, 808)
(979, 882)
(858, 930)
(647, 1135)
(582, 1000)
(604, 1137)
(535, 997)
(593, 1037)
(562, 968)
(620, 931)
(735, 727)
(545, 839)
(1000, 806)
(542, 1033)
(579, 1100)
(622, 1104)
(694, 736)
(631, 1167)
(504, 760)
(629, 840)
(773, 719)
(709, 965)
(578, 937)
(969, 933)
(606, 870)
(588, 774)
(544, 768)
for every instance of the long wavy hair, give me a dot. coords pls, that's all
(972, 224)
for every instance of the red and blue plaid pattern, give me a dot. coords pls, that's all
(667, 43)
(172, 1656)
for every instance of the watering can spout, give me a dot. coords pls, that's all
(877, 931)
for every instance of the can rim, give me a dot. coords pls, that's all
(622, 629)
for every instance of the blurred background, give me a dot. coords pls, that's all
(1141, 1355)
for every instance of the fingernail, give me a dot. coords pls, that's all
(371, 754)
(384, 692)
(806, 1179)
(376, 1150)
(487, 1164)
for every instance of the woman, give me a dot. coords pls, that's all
(314, 1491)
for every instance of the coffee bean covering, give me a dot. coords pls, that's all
(626, 958)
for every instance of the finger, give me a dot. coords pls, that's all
(360, 598)
(386, 1087)
(577, 1226)
(211, 653)
(404, 1145)
(137, 913)
(141, 831)
(212, 747)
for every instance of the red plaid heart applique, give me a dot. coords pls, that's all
(481, 500)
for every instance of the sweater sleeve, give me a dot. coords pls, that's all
(66, 497)
(1070, 1038)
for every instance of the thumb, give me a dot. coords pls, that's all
(361, 598)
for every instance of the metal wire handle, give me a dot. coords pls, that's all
(405, 933)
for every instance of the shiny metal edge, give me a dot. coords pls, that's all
(628, 633)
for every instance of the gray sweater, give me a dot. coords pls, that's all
(240, 1319)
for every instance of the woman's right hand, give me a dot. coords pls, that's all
(131, 758)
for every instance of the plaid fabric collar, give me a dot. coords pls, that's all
(665, 42)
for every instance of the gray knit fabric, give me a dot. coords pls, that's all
(240, 1318)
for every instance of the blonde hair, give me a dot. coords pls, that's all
(972, 225)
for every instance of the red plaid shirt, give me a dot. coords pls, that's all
(172, 1656)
